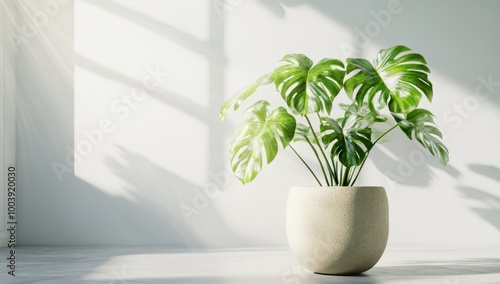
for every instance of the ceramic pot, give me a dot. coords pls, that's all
(337, 230)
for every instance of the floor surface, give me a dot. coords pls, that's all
(159, 265)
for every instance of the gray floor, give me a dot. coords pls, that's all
(159, 265)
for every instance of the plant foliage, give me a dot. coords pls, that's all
(396, 78)
(256, 139)
(396, 81)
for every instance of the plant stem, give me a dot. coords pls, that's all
(319, 160)
(335, 180)
(368, 152)
(341, 174)
(346, 176)
(306, 165)
(383, 134)
(338, 168)
(322, 152)
(350, 175)
(335, 177)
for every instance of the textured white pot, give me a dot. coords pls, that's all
(337, 230)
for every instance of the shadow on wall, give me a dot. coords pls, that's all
(74, 212)
(436, 38)
(407, 162)
(486, 170)
(212, 49)
(489, 209)
(163, 193)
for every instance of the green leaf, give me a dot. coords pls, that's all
(236, 100)
(307, 88)
(256, 139)
(349, 144)
(360, 116)
(397, 77)
(304, 133)
(419, 125)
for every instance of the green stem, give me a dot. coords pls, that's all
(368, 152)
(322, 152)
(341, 175)
(383, 134)
(346, 176)
(350, 175)
(338, 167)
(335, 177)
(335, 180)
(306, 165)
(319, 160)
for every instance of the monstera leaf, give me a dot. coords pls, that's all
(304, 133)
(349, 144)
(397, 77)
(419, 125)
(236, 100)
(307, 88)
(256, 139)
(361, 116)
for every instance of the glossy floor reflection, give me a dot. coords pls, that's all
(160, 265)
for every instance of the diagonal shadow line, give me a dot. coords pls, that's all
(103, 214)
(414, 165)
(186, 40)
(164, 96)
(213, 50)
(486, 170)
(442, 54)
(216, 78)
(490, 211)
(168, 191)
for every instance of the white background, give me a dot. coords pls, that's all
(128, 188)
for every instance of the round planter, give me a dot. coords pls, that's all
(337, 230)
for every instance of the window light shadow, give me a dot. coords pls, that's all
(492, 172)
(488, 207)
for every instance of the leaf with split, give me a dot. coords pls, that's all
(419, 125)
(397, 77)
(360, 116)
(349, 144)
(256, 139)
(236, 100)
(307, 88)
(305, 134)
(364, 117)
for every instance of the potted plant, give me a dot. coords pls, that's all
(336, 227)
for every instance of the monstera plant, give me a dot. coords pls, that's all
(336, 227)
(383, 93)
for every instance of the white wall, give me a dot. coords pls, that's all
(7, 122)
(162, 147)
(3, 228)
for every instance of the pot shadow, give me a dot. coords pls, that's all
(424, 270)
